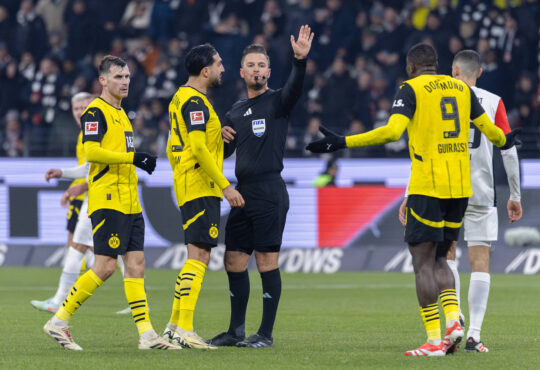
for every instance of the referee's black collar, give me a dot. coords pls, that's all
(191, 87)
(99, 97)
(263, 94)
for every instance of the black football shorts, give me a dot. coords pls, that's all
(432, 219)
(116, 233)
(200, 218)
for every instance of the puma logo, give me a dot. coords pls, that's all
(144, 160)
(92, 113)
(328, 146)
(194, 101)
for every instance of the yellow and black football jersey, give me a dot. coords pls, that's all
(79, 151)
(190, 110)
(440, 109)
(110, 186)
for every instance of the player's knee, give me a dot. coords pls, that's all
(79, 247)
(235, 262)
(266, 261)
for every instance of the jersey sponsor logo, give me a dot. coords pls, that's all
(197, 117)
(91, 128)
(130, 143)
(114, 241)
(398, 103)
(248, 112)
(258, 126)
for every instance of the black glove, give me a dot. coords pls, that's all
(330, 143)
(145, 161)
(511, 139)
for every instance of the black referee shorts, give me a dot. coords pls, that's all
(433, 219)
(200, 219)
(73, 214)
(116, 233)
(259, 225)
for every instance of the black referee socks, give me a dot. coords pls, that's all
(239, 291)
(271, 284)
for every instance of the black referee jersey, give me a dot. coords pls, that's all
(261, 125)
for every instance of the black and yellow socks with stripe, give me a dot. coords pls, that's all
(83, 288)
(449, 303)
(186, 293)
(432, 322)
(136, 297)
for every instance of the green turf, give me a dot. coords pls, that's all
(345, 320)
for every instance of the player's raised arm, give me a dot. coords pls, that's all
(293, 87)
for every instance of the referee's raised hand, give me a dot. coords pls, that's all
(302, 45)
(234, 198)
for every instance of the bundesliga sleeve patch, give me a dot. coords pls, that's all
(196, 117)
(91, 128)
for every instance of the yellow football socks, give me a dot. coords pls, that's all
(191, 277)
(136, 297)
(449, 304)
(80, 291)
(432, 323)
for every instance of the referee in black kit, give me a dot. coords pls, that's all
(257, 128)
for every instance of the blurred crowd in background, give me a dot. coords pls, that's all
(50, 50)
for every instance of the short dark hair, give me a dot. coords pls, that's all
(469, 60)
(254, 49)
(422, 55)
(108, 61)
(198, 57)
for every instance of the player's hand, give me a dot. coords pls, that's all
(402, 210)
(302, 45)
(234, 198)
(145, 161)
(53, 173)
(514, 210)
(330, 143)
(227, 132)
(511, 139)
(72, 192)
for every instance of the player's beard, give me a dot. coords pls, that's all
(216, 82)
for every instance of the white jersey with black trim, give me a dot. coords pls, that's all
(481, 149)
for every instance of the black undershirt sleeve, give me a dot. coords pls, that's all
(404, 101)
(93, 125)
(293, 87)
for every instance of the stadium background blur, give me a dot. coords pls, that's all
(49, 50)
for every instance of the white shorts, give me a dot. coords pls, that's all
(83, 229)
(481, 225)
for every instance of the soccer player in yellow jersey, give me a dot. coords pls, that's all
(195, 151)
(113, 207)
(436, 111)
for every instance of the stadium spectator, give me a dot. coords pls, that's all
(366, 35)
(12, 143)
(29, 32)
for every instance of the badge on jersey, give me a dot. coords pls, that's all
(130, 144)
(91, 128)
(258, 126)
(196, 117)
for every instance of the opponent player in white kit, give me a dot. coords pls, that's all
(480, 221)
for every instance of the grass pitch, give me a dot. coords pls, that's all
(345, 320)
